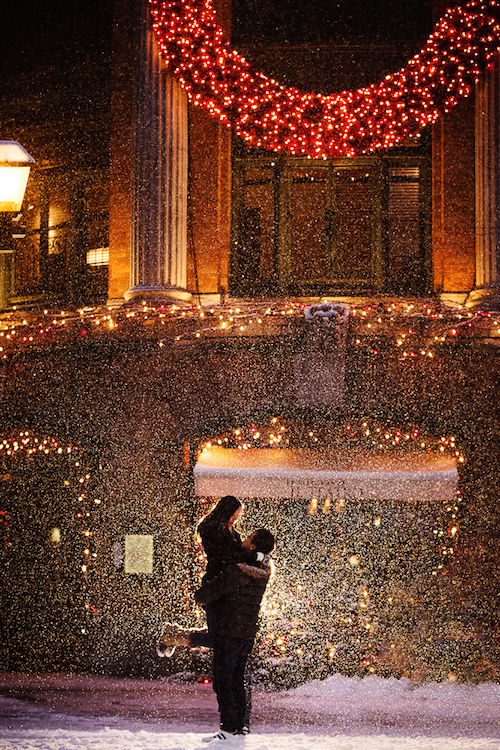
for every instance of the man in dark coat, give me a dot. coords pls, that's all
(223, 547)
(236, 596)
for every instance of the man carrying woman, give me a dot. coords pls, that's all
(231, 593)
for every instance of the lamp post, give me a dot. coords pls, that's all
(15, 165)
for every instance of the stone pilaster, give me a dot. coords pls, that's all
(487, 286)
(160, 172)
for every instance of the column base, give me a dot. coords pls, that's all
(157, 293)
(484, 299)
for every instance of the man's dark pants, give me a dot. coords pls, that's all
(230, 657)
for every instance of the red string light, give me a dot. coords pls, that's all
(267, 115)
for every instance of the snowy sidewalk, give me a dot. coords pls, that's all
(58, 712)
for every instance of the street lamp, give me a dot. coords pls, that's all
(15, 165)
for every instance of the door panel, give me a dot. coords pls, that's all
(405, 257)
(352, 259)
(253, 264)
(318, 227)
(310, 238)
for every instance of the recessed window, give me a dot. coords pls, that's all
(98, 257)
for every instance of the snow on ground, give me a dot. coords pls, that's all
(339, 713)
(143, 740)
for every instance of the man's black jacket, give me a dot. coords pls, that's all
(236, 596)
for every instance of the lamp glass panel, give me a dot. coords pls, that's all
(13, 181)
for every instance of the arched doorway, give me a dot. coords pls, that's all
(49, 510)
(366, 519)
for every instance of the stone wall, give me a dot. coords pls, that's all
(142, 411)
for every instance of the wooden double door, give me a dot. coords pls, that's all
(314, 227)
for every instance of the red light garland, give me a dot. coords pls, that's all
(267, 115)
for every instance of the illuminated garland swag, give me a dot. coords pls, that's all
(266, 114)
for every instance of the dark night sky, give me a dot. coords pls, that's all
(39, 36)
(320, 21)
(36, 33)
(47, 31)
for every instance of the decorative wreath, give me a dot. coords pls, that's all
(267, 115)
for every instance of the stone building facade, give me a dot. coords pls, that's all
(137, 193)
(139, 197)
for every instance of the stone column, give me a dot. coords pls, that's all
(160, 172)
(487, 287)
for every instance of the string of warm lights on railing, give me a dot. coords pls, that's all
(419, 329)
(266, 114)
(405, 328)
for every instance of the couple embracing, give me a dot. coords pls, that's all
(232, 588)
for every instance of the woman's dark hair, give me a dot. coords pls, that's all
(225, 508)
